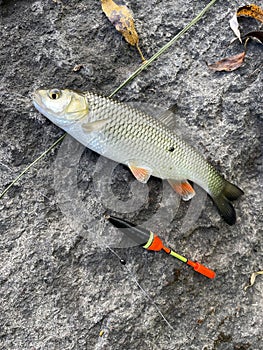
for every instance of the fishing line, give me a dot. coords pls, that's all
(31, 165)
(142, 289)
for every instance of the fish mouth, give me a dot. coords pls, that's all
(42, 108)
(39, 105)
(61, 118)
(37, 102)
(36, 99)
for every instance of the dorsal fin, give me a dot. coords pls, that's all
(168, 117)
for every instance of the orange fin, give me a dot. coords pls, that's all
(142, 173)
(183, 188)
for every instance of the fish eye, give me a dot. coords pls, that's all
(54, 94)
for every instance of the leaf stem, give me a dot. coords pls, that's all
(140, 52)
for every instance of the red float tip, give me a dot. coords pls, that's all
(202, 269)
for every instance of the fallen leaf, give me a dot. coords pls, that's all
(228, 64)
(258, 35)
(253, 278)
(234, 25)
(251, 10)
(122, 19)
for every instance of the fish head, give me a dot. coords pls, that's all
(62, 107)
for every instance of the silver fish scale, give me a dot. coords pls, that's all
(131, 135)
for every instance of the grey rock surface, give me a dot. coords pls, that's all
(59, 288)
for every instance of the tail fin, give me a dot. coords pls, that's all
(229, 193)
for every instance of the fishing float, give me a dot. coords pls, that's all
(150, 241)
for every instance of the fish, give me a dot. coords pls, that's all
(147, 145)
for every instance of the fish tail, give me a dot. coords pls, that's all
(223, 201)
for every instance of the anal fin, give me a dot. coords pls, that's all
(183, 188)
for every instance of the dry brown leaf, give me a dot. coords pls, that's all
(251, 10)
(121, 17)
(228, 64)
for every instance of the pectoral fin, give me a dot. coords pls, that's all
(141, 172)
(183, 188)
(95, 126)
